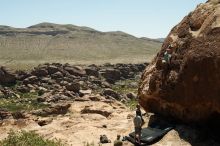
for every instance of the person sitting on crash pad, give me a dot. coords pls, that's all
(138, 112)
(137, 128)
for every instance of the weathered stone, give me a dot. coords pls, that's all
(112, 93)
(7, 76)
(75, 87)
(92, 71)
(52, 69)
(4, 114)
(104, 139)
(30, 80)
(111, 75)
(53, 110)
(18, 115)
(88, 110)
(40, 72)
(44, 122)
(84, 92)
(57, 75)
(23, 89)
(188, 87)
(76, 70)
(131, 96)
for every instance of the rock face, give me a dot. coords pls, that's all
(191, 85)
(6, 76)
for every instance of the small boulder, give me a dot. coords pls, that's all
(52, 69)
(53, 110)
(18, 115)
(75, 87)
(40, 72)
(75, 70)
(23, 89)
(44, 122)
(4, 114)
(110, 92)
(111, 75)
(7, 76)
(92, 71)
(131, 96)
(84, 92)
(57, 75)
(30, 80)
(104, 139)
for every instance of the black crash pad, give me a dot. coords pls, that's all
(150, 135)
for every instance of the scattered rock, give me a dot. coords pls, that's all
(131, 96)
(7, 76)
(111, 75)
(4, 114)
(90, 110)
(30, 80)
(84, 92)
(104, 139)
(42, 72)
(52, 69)
(75, 87)
(57, 75)
(44, 122)
(92, 71)
(110, 92)
(18, 115)
(76, 70)
(23, 89)
(53, 110)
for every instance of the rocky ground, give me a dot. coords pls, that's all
(77, 104)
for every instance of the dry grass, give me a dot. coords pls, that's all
(25, 50)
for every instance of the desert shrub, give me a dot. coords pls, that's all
(24, 138)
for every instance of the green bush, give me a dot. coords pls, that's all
(27, 139)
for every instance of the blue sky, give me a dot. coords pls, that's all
(142, 18)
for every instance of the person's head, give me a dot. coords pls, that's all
(137, 106)
(118, 137)
(168, 50)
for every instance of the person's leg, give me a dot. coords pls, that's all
(139, 135)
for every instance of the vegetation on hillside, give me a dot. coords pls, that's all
(28, 47)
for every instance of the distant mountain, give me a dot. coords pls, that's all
(48, 42)
(160, 39)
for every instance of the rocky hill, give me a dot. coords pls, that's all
(47, 42)
(188, 87)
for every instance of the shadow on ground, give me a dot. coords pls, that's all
(205, 134)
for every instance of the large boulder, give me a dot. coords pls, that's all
(75, 70)
(110, 92)
(7, 76)
(40, 72)
(188, 88)
(75, 87)
(111, 75)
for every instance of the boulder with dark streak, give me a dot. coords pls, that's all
(188, 89)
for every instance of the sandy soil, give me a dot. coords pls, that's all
(77, 129)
